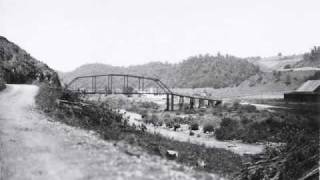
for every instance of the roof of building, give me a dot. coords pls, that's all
(309, 86)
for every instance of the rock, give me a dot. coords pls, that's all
(191, 133)
(201, 163)
(170, 154)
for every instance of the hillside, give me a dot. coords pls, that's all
(310, 59)
(18, 67)
(197, 71)
(281, 62)
(268, 64)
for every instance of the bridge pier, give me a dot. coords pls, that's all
(172, 102)
(192, 102)
(181, 102)
(167, 108)
(94, 84)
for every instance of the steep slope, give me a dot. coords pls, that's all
(17, 66)
(198, 71)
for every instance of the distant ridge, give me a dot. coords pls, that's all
(197, 71)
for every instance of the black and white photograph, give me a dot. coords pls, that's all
(159, 89)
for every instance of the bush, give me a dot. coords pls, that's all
(47, 97)
(287, 66)
(169, 123)
(152, 119)
(179, 120)
(194, 126)
(149, 105)
(208, 127)
(229, 129)
(248, 108)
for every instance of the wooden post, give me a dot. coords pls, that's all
(124, 84)
(94, 84)
(167, 109)
(191, 103)
(201, 101)
(181, 102)
(111, 84)
(172, 102)
(139, 88)
(127, 82)
(143, 84)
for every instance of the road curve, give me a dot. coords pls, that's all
(32, 146)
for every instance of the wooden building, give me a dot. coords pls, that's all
(307, 92)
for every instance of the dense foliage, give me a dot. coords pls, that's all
(197, 71)
(296, 139)
(17, 66)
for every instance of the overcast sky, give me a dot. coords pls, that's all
(68, 33)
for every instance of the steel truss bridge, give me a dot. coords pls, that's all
(132, 84)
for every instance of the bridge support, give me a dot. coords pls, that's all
(192, 103)
(168, 103)
(181, 103)
(172, 102)
(201, 103)
(94, 84)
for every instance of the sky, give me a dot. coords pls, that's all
(68, 33)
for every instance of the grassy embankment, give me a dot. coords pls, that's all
(296, 133)
(292, 136)
(112, 126)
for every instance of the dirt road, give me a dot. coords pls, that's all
(33, 147)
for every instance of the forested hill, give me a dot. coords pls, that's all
(17, 66)
(197, 71)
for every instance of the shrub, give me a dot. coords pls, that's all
(47, 97)
(176, 126)
(248, 108)
(287, 66)
(236, 105)
(169, 123)
(179, 120)
(229, 129)
(194, 126)
(208, 127)
(151, 119)
(150, 105)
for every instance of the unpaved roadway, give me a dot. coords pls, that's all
(32, 146)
